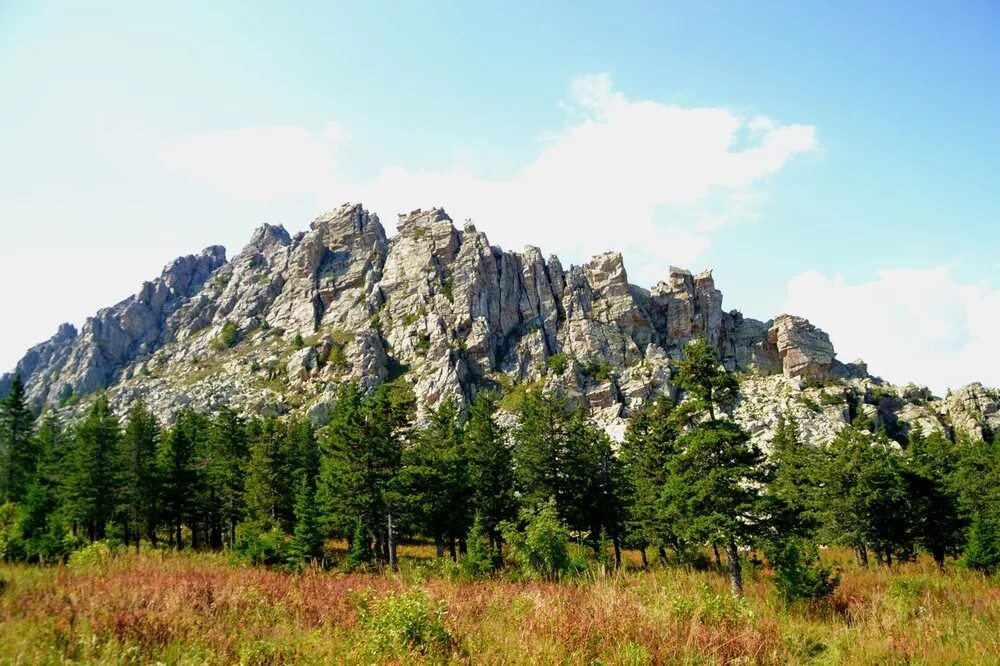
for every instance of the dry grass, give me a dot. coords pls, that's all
(199, 609)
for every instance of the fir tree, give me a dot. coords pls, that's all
(140, 483)
(307, 540)
(490, 467)
(92, 483)
(17, 449)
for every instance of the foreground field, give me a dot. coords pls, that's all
(197, 609)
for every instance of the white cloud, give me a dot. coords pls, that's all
(606, 181)
(914, 324)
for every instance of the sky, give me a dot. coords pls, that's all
(839, 161)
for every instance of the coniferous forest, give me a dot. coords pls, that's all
(545, 496)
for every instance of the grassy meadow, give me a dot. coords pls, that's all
(192, 608)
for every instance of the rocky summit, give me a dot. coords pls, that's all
(276, 329)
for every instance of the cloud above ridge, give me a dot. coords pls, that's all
(650, 179)
(912, 324)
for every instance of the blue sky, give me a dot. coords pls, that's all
(839, 160)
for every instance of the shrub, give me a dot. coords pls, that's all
(599, 371)
(399, 625)
(258, 546)
(228, 336)
(97, 554)
(798, 572)
(558, 363)
(297, 341)
(543, 547)
(336, 358)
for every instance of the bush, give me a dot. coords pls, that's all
(543, 547)
(256, 546)
(399, 625)
(228, 336)
(558, 363)
(798, 573)
(97, 554)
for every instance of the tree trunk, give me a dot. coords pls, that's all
(618, 551)
(938, 554)
(645, 560)
(451, 549)
(735, 570)
(863, 556)
(662, 552)
(391, 542)
(718, 558)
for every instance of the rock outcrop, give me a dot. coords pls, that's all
(289, 318)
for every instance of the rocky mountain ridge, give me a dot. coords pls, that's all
(289, 318)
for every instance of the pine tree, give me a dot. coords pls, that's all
(140, 482)
(228, 444)
(716, 483)
(490, 467)
(266, 478)
(649, 446)
(433, 482)
(554, 458)
(92, 483)
(176, 461)
(930, 466)
(307, 540)
(864, 498)
(362, 454)
(700, 375)
(794, 485)
(17, 449)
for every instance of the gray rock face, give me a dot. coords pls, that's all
(804, 350)
(276, 329)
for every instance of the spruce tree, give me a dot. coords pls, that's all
(490, 467)
(931, 466)
(17, 448)
(178, 473)
(140, 482)
(225, 473)
(433, 481)
(649, 446)
(716, 483)
(92, 483)
(362, 454)
(307, 541)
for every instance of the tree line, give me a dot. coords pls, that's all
(687, 480)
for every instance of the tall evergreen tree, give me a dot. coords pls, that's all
(716, 483)
(225, 473)
(267, 482)
(434, 482)
(708, 386)
(307, 539)
(554, 458)
(362, 454)
(931, 466)
(490, 467)
(649, 446)
(140, 482)
(178, 473)
(17, 447)
(92, 483)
